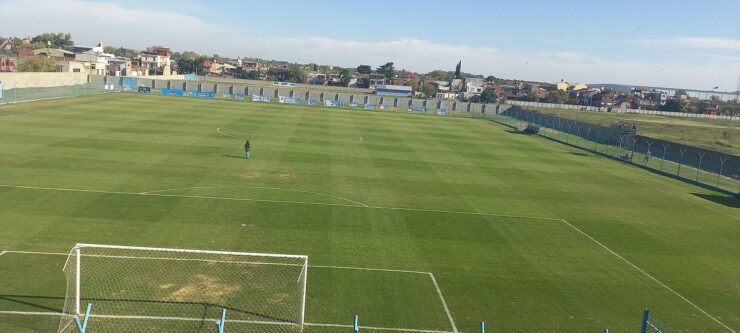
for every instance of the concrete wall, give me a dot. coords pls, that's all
(207, 87)
(402, 103)
(417, 102)
(344, 97)
(284, 91)
(146, 82)
(28, 80)
(476, 107)
(191, 86)
(316, 95)
(299, 93)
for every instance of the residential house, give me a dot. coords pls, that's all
(566, 86)
(119, 66)
(442, 86)
(604, 98)
(376, 80)
(447, 95)
(712, 110)
(95, 61)
(157, 61)
(56, 54)
(473, 85)
(7, 64)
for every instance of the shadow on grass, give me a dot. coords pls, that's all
(579, 154)
(234, 156)
(724, 200)
(32, 301)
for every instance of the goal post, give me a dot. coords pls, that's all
(146, 289)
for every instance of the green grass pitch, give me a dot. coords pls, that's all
(523, 233)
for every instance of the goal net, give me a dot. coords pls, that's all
(138, 289)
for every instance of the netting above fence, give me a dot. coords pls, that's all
(17, 95)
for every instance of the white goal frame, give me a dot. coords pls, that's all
(79, 255)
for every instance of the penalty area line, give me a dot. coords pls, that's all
(372, 328)
(147, 194)
(620, 257)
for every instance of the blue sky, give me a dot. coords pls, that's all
(692, 44)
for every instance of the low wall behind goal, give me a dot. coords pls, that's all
(36, 79)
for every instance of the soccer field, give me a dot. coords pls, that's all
(417, 223)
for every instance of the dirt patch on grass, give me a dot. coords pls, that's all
(252, 174)
(204, 288)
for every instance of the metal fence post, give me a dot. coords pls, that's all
(722, 161)
(665, 147)
(683, 151)
(645, 317)
(701, 157)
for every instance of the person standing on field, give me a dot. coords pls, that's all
(247, 148)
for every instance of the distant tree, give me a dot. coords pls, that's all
(490, 79)
(488, 96)
(295, 74)
(59, 40)
(151, 48)
(556, 96)
(364, 69)
(440, 75)
(39, 64)
(388, 70)
(429, 90)
(110, 49)
(675, 105)
(346, 76)
(252, 75)
(681, 92)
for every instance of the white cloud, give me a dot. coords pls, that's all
(90, 22)
(693, 42)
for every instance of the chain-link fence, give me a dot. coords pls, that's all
(697, 165)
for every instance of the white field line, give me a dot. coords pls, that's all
(222, 261)
(444, 303)
(373, 328)
(649, 276)
(60, 314)
(257, 187)
(700, 205)
(279, 201)
(430, 274)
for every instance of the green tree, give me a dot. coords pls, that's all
(488, 96)
(151, 48)
(252, 75)
(109, 49)
(440, 75)
(674, 105)
(39, 64)
(556, 96)
(388, 70)
(346, 76)
(59, 40)
(429, 90)
(364, 69)
(295, 74)
(490, 79)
